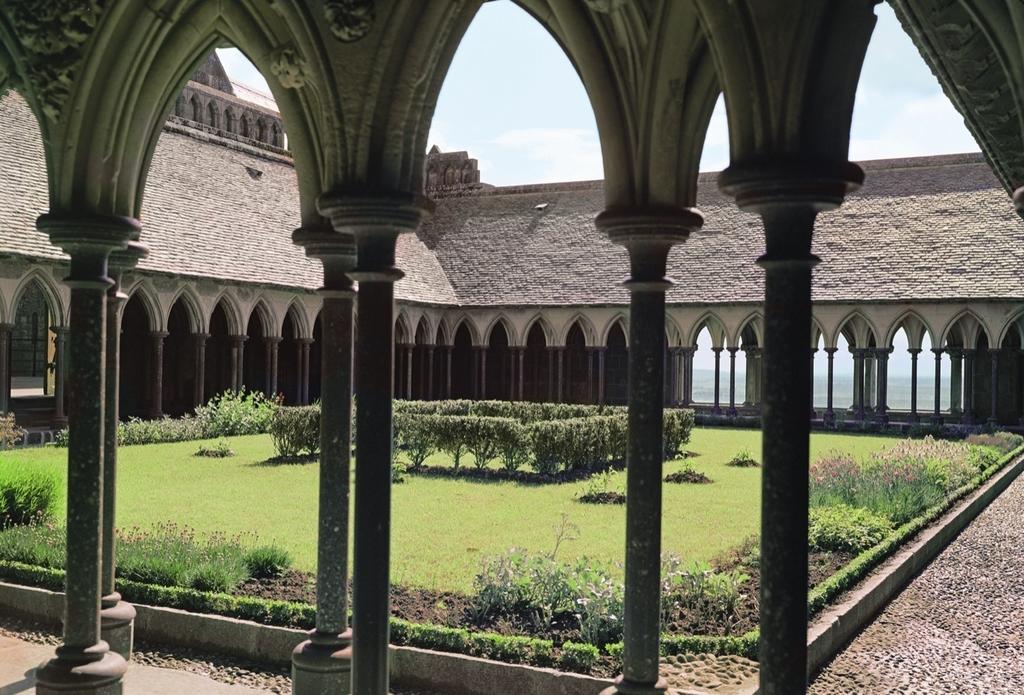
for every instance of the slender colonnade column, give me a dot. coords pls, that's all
(914, 352)
(968, 418)
(323, 663)
(717, 410)
(375, 222)
(116, 616)
(61, 359)
(6, 330)
(830, 413)
(648, 235)
(84, 662)
(156, 390)
(956, 381)
(882, 387)
(994, 387)
(732, 381)
(937, 415)
(199, 395)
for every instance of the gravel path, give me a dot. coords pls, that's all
(957, 628)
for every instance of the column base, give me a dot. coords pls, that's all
(829, 418)
(936, 419)
(717, 410)
(117, 625)
(93, 671)
(322, 665)
(882, 418)
(624, 687)
(914, 418)
(732, 412)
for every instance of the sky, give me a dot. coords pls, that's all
(515, 103)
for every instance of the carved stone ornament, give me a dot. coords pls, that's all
(350, 20)
(289, 68)
(52, 34)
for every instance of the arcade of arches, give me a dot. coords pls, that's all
(172, 221)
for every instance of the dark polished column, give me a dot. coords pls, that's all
(156, 390)
(937, 415)
(116, 616)
(376, 223)
(560, 388)
(732, 381)
(60, 418)
(858, 383)
(199, 395)
(475, 386)
(788, 196)
(238, 361)
(590, 375)
(969, 394)
(448, 349)
(304, 348)
(323, 663)
(914, 417)
(814, 413)
(408, 371)
(430, 373)
(882, 387)
(522, 363)
(717, 409)
(648, 235)
(6, 329)
(272, 344)
(956, 381)
(688, 375)
(993, 420)
(830, 413)
(84, 663)
(600, 374)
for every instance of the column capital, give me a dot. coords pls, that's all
(128, 257)
(830, 351)
(914, 352)
(732, 350)
(717, 350)
(238, 338)
(648, 233)
(748, 350)
(938, 352)
(304, 341)
(272, 339)
(6, 328)
(336, 250)
(883, 352)
(158, 335)
(88, 234)
(60, 331)
(200, 337)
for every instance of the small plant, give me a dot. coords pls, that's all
(598, 490)
(743, 460)
(10, 433)
(267, 561)
(399, 472)
(846, 529)
(27, 495)
(687, 474)
(295, 431)
(1004, 442)
(219, 450)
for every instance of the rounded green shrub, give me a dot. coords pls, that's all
(267, 561)
(846, 529)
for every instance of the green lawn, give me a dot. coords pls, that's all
(441, 527)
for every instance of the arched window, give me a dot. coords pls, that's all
(275, 135)
(243, 126)
(230, 122)
(197, 110)
(212, 117)
(261, 130)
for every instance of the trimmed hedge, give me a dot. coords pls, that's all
(27, 494)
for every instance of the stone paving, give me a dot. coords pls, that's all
(957, 628)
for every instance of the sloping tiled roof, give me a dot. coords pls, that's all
(211, 210)
(921, 229)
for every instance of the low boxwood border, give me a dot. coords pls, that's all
(570, 656)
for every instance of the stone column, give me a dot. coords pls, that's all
(522, 363)
(5, 366)
(560, 379)
(84, 662)
(870, 380)
(830, 413)
(814, 413)
(272, 344)
(304, 348)
(375, 223)
(238, 362)
(914, 352)
(968, 418)
(430, 373)
(732, 382)
(116, 616)
(323, 663)
(647, 235)
(993, 418)
(409, 353)
(199, 397)
(688, 375)
(937, 415)
(483, 373)
(882, 386)
(717, 409)
(60, 370)
(590, 375)
(512, 385)
(156, 406)
(956, 381)
(858, 383)
(600, 374)
(448, 370)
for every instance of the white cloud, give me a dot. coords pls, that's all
(921, 126)
(558, 154)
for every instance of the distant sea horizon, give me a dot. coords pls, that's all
(842, 386)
